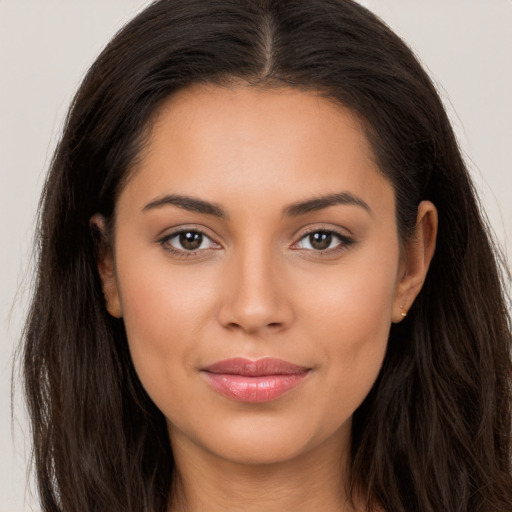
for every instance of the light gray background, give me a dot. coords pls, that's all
(47, 45)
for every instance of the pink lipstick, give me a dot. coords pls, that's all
(254, 381)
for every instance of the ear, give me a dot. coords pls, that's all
(418, 253)
(106, 268)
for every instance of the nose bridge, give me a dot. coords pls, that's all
(256, 297)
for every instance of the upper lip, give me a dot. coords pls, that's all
(258, 368)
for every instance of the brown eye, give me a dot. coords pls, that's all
(190, 240)
(323, 240)
(320, 240)
(187, 242)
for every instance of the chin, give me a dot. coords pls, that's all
(263, 441)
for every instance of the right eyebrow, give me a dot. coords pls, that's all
(187, 203)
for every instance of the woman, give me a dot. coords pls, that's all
(264, 281)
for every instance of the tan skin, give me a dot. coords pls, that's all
(257, 283)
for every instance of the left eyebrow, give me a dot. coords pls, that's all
(319, 203)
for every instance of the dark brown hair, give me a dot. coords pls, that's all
(434, 434)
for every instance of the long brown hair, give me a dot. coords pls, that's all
(434, 434)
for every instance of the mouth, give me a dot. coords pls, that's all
(258, 381)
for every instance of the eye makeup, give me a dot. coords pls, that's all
(188, 242)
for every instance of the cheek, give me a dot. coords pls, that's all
(350, 315)
(163, 311)
(356, 298)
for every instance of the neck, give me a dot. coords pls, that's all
(310, 482)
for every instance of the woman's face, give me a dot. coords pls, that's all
(256, 226)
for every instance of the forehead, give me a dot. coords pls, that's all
(268, 143)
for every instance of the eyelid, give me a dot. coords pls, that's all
(345, 240)
(341, 232)
(169, 235)
(170, 231)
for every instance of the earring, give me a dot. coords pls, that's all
(404, 313)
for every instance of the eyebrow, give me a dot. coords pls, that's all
(294, 210)
(188, 203)
(319, 203)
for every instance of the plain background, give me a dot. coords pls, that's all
(45, 49)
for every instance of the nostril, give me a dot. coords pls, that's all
(253, 328)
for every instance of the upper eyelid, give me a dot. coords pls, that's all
(172, 232)
(338, 232)
(343, 239)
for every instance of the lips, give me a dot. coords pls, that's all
(258, 381)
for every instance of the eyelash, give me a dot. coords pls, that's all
(344, 242)
(182, 253)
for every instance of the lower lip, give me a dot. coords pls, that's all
(253, 389)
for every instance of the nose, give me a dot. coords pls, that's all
(254, 298)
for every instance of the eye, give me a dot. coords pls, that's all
(323, 240)
(187, 241)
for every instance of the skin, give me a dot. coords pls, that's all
(257, 287)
